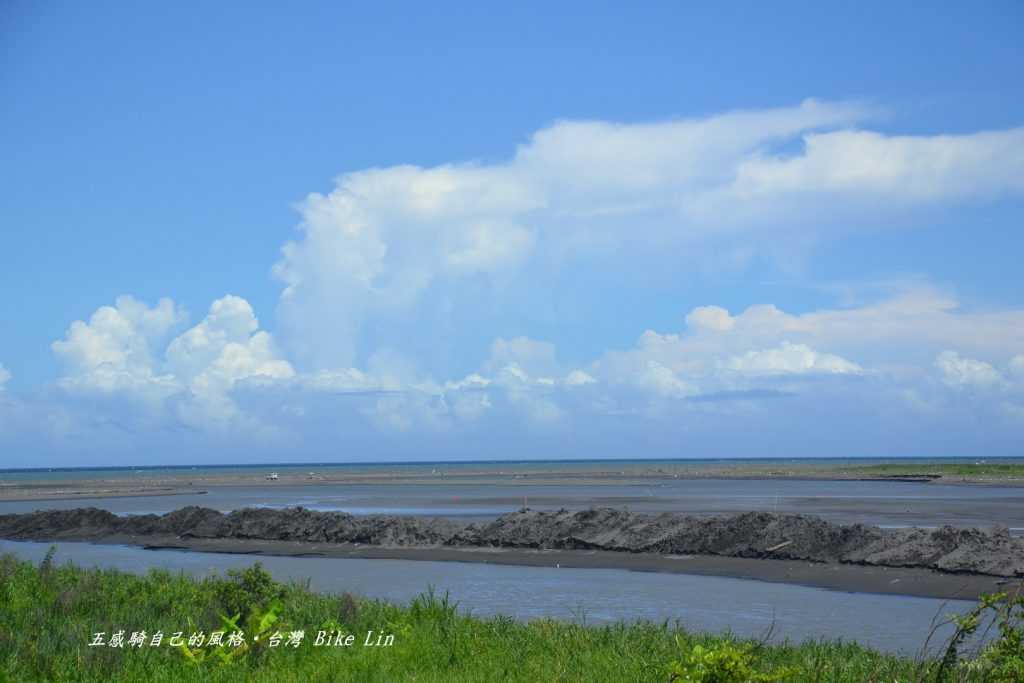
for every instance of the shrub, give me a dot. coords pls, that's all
(726, 663)
(247, 590)
(1002, 659)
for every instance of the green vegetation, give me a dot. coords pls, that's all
(997, 470)
(49, 614)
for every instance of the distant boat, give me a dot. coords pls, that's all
(272, 476)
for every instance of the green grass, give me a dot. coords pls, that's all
(1008, 471)
(48, 614)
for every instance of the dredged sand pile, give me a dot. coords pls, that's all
(991, 551)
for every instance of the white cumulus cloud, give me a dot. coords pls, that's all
(385, 240)
(713, 318)
(226, 347)
(116, 350)
(391, 266)
(790, 358)
(123, 350)
(901, 168)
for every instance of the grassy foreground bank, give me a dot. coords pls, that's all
(50, 615)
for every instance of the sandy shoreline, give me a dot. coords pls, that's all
(192, 483)
(62, 493)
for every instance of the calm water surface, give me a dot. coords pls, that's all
(702, 603)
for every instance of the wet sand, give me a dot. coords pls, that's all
(44, 492)
(26, 488)
(851, 578)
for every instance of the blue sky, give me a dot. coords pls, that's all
(515, 231)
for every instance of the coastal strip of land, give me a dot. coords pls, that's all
(144, 483)
(946, 562)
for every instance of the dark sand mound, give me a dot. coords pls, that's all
(750, 535)
(758, 535)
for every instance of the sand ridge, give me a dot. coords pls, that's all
(753, 535)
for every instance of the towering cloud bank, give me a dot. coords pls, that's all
(385, 239)
(398, 292)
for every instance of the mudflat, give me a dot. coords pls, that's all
(592, 474)
(854, 578)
